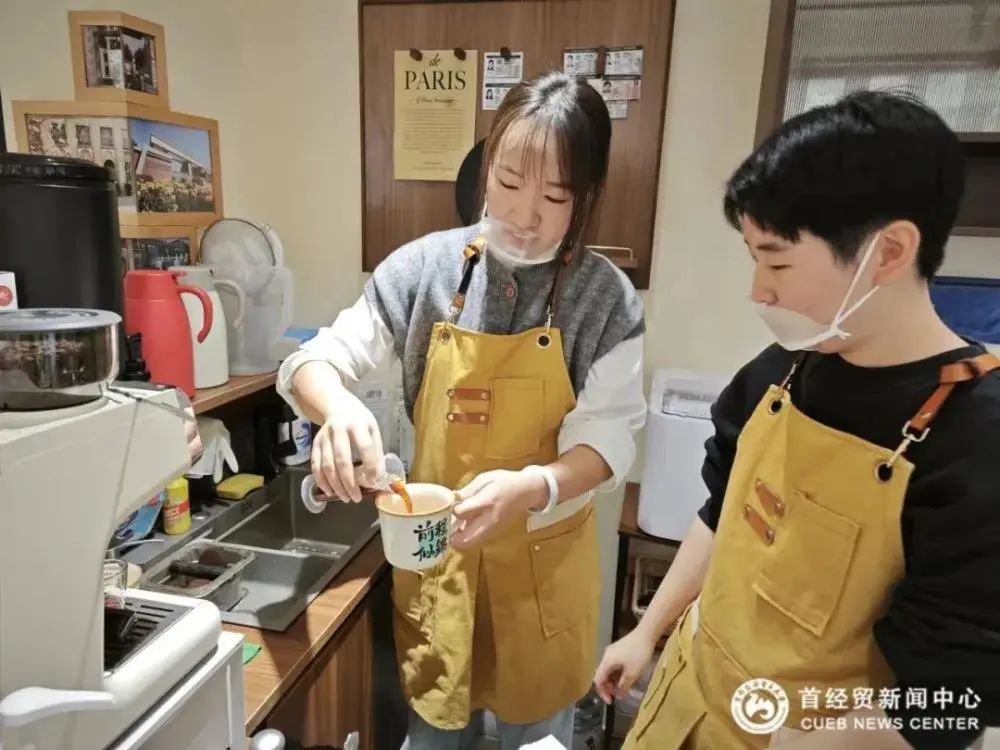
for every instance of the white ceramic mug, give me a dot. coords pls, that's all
(417, 540)
(412, 541)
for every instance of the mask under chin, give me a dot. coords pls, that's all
(513, 260)
(498, 243)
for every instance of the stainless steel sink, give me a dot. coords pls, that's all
(277, 588)
(297, 552)
(284, 524)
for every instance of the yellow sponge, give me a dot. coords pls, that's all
(239, 486)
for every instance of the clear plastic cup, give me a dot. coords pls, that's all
(392, 470)
(115, 583)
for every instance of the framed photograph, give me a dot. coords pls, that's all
(100, 139)
(166, 165)
(118, 58)
(158, 248)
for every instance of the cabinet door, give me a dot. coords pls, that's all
(334, 696)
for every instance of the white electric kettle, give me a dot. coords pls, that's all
(211, 356)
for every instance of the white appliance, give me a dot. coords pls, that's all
(252, 256)
(67, 479)
(211, 356)
(677, 426)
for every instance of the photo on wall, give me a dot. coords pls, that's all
(157, 253)
(118, 57)
(98, 139)
(173, 167)
(166, 165)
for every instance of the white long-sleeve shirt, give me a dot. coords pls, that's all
(598, 313)
(609, 410)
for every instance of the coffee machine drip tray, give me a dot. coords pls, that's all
(127, 631)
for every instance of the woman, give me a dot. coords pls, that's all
(522, 370)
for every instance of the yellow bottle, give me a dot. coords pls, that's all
(177, 508)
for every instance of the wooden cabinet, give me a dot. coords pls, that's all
(334, 696)
(399, 211)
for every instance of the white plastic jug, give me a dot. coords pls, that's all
(211, 356)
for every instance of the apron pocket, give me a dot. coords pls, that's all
(516, 413)
(811, 557)
(671, 721)
(567, 576)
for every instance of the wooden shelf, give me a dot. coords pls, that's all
(237, 387)
(629, 527)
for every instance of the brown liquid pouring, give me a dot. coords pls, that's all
(399, 487)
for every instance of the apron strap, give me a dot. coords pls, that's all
(951, 375)
(786, 384)
(553, 301)
(472, 253)
(916, 429)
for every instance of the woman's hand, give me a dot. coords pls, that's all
(349, 425)
(191, 434)
(622, 663)
(492, 500)
(195, 448)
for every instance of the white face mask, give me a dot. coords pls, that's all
(511, 246)
(796, 332)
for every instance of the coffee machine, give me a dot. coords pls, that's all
(68, 477)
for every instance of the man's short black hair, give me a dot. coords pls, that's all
(842, 171)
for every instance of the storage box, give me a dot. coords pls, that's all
(8, 291)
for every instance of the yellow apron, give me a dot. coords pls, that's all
(807, 549)
(510, 626)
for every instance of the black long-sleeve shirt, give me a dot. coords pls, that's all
(942, 628)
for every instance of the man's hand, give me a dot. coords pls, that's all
(622, 663)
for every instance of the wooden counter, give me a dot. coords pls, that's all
(275, 672)
(238, 386)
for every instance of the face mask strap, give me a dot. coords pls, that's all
(841, 314)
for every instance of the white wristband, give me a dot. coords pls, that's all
(550, 480)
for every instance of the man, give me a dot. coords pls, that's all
(849, 552)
